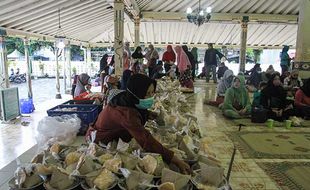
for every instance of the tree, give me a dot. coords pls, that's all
(76, 50)
(13, 43)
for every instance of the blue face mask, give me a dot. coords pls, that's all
(146, 103)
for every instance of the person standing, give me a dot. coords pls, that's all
(104, 64)
(168, 58)
(127, 49)
(137, 60)
(151, 57)
(184, 67)
(194, 52)
(191, 59)
(211, 62)
(285, 59)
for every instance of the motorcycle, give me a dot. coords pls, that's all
(21, 78)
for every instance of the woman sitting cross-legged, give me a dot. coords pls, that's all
(273, 98)
(222, 87)
(237, 102)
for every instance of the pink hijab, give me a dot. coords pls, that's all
(182, 59)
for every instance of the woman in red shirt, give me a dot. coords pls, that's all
(125, 115)
(302, 100)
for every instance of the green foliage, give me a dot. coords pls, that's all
(74, 70)
(76, 50)
(13, 43)
(254, 54)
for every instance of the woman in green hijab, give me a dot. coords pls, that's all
(237, 102)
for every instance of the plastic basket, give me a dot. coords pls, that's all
(70, 102)
(87, 113)
(26, 106)
(83, 102)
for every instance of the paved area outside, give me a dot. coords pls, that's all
(43, 89)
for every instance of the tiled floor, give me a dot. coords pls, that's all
(246, 174)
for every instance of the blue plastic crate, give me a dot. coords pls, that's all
(87, 113)
(70, 102)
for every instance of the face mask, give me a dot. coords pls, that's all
(146, 103)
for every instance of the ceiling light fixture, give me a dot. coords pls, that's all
(200, 16)
(60, 35)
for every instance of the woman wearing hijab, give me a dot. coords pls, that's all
(82, 81)
(168, 58)
(75, 78)
(184, 66)
(273, 98)
(104, 64)
(125, 115)
(125, 78)
(191, 59)
(285, 60)
(222, 87)
(237, 102)
(255, 76)
(151, 57)
(302, 100)
(292, 83)
(137, 55)
(270, 70)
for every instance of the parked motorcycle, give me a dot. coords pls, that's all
(18, 78)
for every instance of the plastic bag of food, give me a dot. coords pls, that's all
(179, 180)
(62, 129)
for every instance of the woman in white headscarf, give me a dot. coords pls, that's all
(222, 87)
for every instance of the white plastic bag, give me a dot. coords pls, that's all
(61, 129)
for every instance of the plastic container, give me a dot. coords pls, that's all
(26, 106)
(87, 113)
(70, 102)
(83, 102)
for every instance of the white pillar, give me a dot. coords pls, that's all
(68, 61)
(4, 76)
(64, 67)
(58, 95)
(302, 60)
(244, 32)
(27, 57)
(118, 35)
(88, 60)
(137, 32)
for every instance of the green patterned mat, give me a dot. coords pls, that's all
(271, 145)
(247, 122)
(289, 175)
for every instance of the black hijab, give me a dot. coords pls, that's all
(137, 54)
(306, 87)
(274, 91)
(189, 55)
(126, 75)
(138, 85)
(104, 62)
